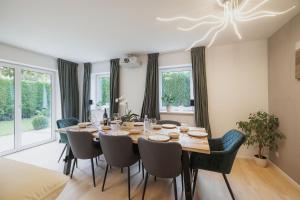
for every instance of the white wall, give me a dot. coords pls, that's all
(237, 82)
(32, 59)
(132, 82)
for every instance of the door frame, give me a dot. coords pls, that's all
(18, 105)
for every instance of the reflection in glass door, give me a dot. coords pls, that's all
(36, 101)
(7, 104)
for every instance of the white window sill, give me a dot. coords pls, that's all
(177, 113)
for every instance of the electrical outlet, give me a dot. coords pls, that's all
(277, 154)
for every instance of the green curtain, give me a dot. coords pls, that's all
(68, 79)
(114, 85)
(151, 96)
(200, 88)
(86, 109)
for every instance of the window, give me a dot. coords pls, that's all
(102, 90)
(176, 88)
(27, 107)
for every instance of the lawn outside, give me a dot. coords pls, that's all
(7, 127)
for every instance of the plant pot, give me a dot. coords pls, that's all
(262, 162)
(169, 108)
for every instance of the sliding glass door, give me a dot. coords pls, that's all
(26, 107)
(36, 100)
(7, 108)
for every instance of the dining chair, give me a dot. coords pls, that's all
(84, 147)
(119, 152)
(161, 159)
(221, 158)
(169, 122)
(63, 123)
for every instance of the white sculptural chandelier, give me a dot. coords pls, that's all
(234, 12)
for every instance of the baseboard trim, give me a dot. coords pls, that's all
(292, 181)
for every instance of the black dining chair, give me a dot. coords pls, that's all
(84, 147)
(63, 123)
(161, 159)
(221, 158)
(119, 152)
(169, 122)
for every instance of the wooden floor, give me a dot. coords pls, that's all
(248, 181)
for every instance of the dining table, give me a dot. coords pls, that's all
(188, 143)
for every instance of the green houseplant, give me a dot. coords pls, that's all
(128, 119)
(168, 99)
(261, 130)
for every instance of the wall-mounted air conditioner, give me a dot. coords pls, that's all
(130, 62)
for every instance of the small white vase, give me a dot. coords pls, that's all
(169, 108)
(262, 162)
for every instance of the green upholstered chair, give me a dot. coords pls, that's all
(222, 155)
(63, 123)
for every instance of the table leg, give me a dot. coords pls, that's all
(187, 175)
(68, 160)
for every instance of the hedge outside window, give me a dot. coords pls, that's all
(102, 91)
(176, 88)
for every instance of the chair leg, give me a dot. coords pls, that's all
(62, 153)
(155, 178)
(139, 165)
(175, 188)
(145, 185)
(195, 180)
(129, 183)
(74, 161)
(97, 161)
(182, 181)
(92, 163)
(122, 170)
(143, 170)
(228, 186)
(104, 177)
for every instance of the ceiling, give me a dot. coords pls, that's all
(96, 30)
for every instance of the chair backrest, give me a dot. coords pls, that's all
(117, 150)
(232, 140)
(229, 145)
(169, 122)
(82, 144)
(63, 123)
(161, 159)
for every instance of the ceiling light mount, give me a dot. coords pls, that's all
(234, 12)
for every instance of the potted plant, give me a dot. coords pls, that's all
(261, 129)
(128, 119)
(169, 100)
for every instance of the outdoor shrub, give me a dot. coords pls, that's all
(40, 122)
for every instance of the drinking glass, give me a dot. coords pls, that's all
(153, 121)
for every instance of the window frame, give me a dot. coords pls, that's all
(97, 86)
(176, 68)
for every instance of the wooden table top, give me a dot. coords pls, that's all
(188, 143)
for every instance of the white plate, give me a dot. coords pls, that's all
(159, 138)
(169, 126)
(138, 123)
(197, 133)
(120, 133)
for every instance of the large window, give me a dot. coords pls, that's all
(176, 88)
(102, 90)
(26, 107)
